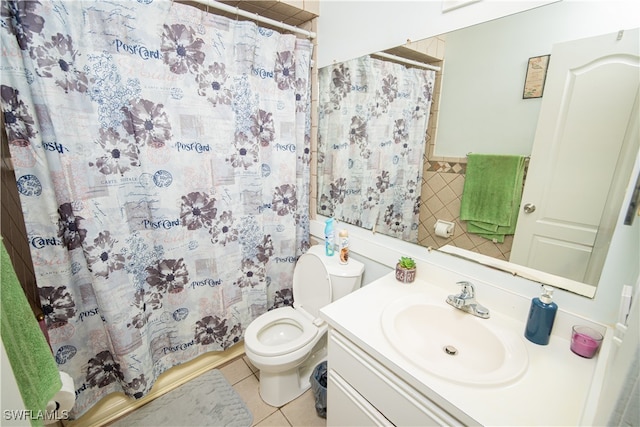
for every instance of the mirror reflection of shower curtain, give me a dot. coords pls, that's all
(162, 159)
(373, 118)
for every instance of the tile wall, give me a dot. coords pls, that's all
(14, 233)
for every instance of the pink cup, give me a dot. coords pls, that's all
(585, 341)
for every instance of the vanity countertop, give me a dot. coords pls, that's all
(554, 390)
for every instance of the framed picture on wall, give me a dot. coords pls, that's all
(536, 75)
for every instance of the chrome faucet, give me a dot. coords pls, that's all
(466, 301)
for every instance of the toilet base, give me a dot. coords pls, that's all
(278, 389)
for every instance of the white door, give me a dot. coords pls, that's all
(587, 130)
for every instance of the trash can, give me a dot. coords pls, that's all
(319, 386)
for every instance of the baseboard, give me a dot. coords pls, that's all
(117, 405)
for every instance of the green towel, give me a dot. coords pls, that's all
(31, 360)
(491, 194)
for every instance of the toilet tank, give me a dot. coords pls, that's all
(345, 278)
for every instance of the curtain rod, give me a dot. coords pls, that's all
(406, 61)
(237, 11)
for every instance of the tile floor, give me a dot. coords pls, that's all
(243, 376)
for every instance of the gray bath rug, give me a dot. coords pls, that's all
(207, 400)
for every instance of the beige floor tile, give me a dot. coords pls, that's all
(302, 411)
(236, 371)
(248, 391)
(248, 362)
(274, 420)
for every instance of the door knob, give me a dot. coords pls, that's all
(529, 208)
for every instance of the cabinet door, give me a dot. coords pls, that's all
(346, 407)
(389, 394)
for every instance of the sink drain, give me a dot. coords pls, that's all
(450, 350)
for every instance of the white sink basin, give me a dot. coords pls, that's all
(452, 344)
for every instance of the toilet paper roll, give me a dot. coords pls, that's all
(62, 401)
(443, 229)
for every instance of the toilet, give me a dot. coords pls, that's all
(286, 343)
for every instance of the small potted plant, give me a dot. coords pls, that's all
(406, 270)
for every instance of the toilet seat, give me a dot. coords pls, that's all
(286, 343)
(311, 292)
(273, 318)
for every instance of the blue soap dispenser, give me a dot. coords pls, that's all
(541, 316)
(329, 237)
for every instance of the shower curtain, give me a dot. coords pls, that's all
(162, 159)
(371, 140)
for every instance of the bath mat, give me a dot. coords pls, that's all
(207, 400)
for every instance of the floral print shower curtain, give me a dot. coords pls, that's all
(371, 139)
(162, 159)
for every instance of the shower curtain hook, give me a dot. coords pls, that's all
(237, 13)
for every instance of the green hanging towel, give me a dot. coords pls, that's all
(29, 354)
(491, 195)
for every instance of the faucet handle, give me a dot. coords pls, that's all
(467, 288)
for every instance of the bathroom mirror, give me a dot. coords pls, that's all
(496, 54)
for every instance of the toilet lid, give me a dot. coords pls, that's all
(271, 319)
(311, 284)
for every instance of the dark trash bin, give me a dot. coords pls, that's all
(319, 386)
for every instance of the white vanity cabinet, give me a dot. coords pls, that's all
(361, 391)
(372, 382)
